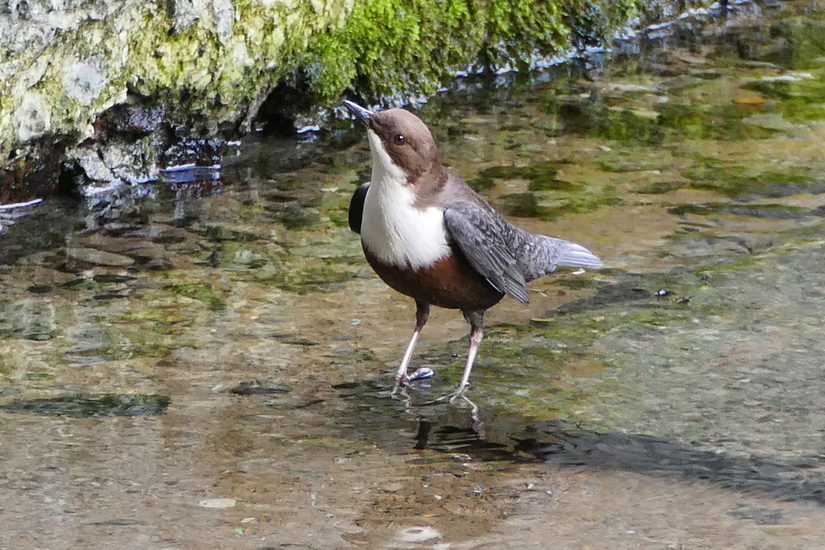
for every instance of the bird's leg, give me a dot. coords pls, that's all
(476, 320)
(422, 312)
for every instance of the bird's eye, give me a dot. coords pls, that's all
(399, 139)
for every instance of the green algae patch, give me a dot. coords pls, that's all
(551, 207)
(763, 211)
(542, 176)
(159, 321)
(314, 276)
(83, 405)
(201, 291)
(734, 179)
(129, 342)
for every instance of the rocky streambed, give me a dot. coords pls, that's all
(207, 363)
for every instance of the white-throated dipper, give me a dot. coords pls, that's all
(428, 235)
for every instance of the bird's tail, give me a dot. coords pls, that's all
(575, 255)
(539, 255)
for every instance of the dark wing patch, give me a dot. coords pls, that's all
(356, 207)
(481, 236)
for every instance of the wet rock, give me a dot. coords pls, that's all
(30, 319)
(97, 166)
(98, 257)
(33, 118)
(195, 152)
(84, 79)
(132, 120)
(151, 256)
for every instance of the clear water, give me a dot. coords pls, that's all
(206, 363)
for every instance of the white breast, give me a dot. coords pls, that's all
(392, 228)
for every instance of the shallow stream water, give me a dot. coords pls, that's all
(206, 363)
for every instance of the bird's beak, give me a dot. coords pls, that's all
(361, 112)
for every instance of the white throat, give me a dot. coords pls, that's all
(392, 228)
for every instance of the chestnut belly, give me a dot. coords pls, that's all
(450, 283)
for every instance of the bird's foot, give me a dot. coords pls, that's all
(400, 386)
(459, 393)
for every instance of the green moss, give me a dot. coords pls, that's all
(389, 46)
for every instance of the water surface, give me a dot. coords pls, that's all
(205, 362)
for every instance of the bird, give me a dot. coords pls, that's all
(430, 236)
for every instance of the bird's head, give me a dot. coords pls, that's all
(400, 142)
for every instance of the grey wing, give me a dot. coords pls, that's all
(356, 207)
(481, 235)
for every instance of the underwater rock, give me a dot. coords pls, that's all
(98, 257)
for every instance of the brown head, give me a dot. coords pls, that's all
(407, 142)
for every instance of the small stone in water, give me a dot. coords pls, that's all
(217, 503)
(748, 98)
(418, 534)
(255, 387)
(39, 289)
(98, 257)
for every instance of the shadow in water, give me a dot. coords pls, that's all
(570, 446)
(450, 429)
(81, 405)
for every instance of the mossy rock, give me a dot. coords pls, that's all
(192, 68)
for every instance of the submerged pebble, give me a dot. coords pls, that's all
(217, 503)
(98, 257)
(256, 387)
